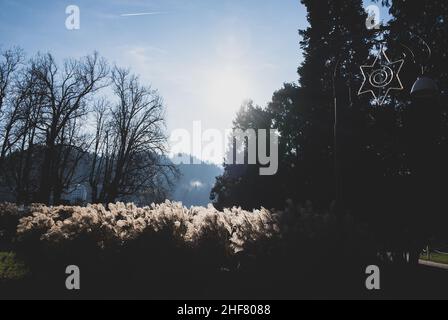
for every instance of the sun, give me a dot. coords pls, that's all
(227, 88)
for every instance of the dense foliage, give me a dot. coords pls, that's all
(10, 214)
(384, 164)
(188, 245)
(119, 224)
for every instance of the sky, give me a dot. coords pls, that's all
(204, 57)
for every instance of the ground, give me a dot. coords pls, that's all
(422, 282)
(435, 257)
(11, 268)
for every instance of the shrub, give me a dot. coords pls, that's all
(229, 234)
(10, 214)
(11, 268)
(169, 247)
(235, 230)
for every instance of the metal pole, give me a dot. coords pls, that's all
(336, 143)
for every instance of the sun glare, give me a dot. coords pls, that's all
(228, 87)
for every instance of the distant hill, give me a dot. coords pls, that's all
(192, 189)
(195, 183)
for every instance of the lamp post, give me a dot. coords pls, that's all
(425, 95)
(424, 87)
(337, 173)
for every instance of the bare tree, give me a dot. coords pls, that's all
(101, 112)
(28, 103)
(46, 145)
(10, 61)
(26, 165)
(66, 93)
(134, 143)
(72, 150)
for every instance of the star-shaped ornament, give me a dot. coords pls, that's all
(381, 77)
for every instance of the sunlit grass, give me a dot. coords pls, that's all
(435, 257)
(11, 268)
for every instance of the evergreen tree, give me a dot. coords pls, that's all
(419, 33)
(241, 185)
(334, 46)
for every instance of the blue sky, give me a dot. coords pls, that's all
(204, 56)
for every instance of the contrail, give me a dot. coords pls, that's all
(140, 14)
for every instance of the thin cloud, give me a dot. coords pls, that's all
(138, 14)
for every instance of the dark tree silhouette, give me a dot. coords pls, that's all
(65, 92)
(10, 61)
(335, 45)
(130, 143)
(388, 163)
(242, 185)
(47, 146)
(412, 209)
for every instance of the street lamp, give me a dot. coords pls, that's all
(337, 174)
(424, 87)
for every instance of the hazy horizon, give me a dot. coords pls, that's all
(205, 58)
